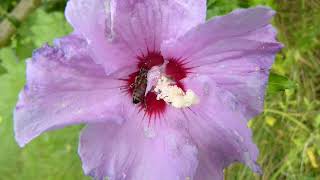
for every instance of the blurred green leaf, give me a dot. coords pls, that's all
(54, 5)
(278, 83)
(47, 27)
(260, 2)
(7, 5)
(244, 3)
(53, 156)
(298, 22)
(42, 27)
(3, 70)
(317, 121)
(33, 161)
(220, 7)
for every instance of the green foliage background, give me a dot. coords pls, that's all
(287, 133)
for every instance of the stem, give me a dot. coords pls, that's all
(8, 26)
(292, 119)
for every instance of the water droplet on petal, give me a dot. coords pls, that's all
(238, 136)
(124, 175)
(206, 89)
(149, 132)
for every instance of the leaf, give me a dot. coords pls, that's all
(312, 158)
(34, 156)
(279, 83)
(317, 121)
(41, 27)
(3, 70)
(7, 5)
(54, 5)
(12, 82)
(270, 120)
(220, 7)
(49, 26)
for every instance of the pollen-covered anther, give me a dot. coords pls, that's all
(174, 95)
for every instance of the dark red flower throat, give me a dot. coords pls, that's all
(175, 70)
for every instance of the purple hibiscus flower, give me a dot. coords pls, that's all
(164, 94)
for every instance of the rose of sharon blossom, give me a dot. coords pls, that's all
(198, 83)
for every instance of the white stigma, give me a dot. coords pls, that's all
(174, 95)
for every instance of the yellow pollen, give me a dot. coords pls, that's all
(174, 95)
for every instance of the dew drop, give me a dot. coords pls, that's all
(206, 89)
(124, 175)
(149, 132)
(238, 135)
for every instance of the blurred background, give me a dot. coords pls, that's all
(287, 133)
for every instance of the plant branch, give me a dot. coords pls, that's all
(8, 26)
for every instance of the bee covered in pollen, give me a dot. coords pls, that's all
(139, 86)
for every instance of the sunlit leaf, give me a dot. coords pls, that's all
(270, 120)
(312, 158)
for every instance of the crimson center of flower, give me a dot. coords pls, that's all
(136, 82)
